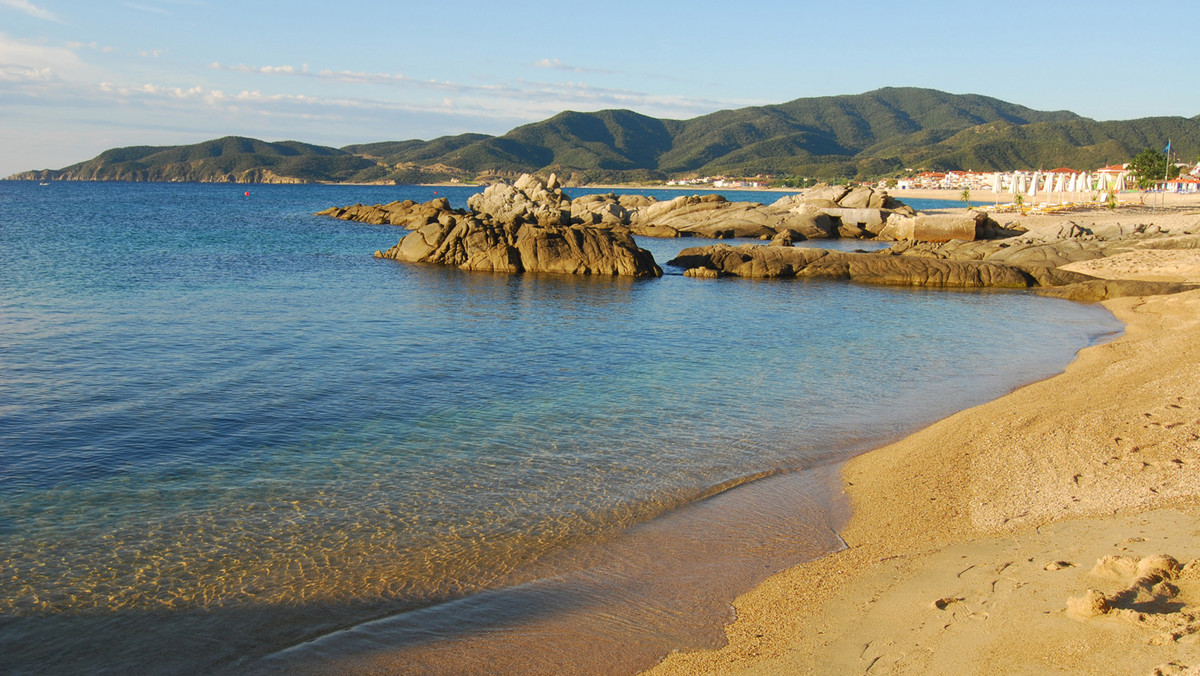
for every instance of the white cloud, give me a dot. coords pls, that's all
(12, 73)
(30, 9)
(36, 57)
(555, 64)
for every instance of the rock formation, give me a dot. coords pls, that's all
(531, 225)
(408, 214)
(1031, 260)
(752, 260)
(473, 244)
(520, 227)
(826, 212)
(527, 200)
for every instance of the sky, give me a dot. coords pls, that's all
(80, 76)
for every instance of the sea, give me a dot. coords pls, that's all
(233, 441)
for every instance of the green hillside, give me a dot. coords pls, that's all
(229, 159)
(858, 136)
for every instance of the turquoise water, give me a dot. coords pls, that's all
(226, 428)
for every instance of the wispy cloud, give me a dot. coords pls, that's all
(18, 56)
(30, 9)
(555, 64)
(96, 46)
(352, 77)
(13, 73)
(535, 98)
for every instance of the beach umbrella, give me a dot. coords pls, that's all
(1072, 182)
(1060, 182)
(1119, 183)
(996, 183)
(1033, 183)
(1018, 183)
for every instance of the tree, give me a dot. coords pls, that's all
(966, 196)
(1151, 166)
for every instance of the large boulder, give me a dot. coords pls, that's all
(473, 244)
(939, 227)
(599, 210)
(709, 216)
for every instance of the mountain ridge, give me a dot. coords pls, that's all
(860, 136)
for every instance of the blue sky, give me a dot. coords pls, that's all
(80, 76)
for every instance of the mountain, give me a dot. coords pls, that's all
(857, 136)
(229, 159)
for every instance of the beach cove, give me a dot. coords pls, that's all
(974, 543)
(273, 513)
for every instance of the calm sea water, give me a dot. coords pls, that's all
(231, 439)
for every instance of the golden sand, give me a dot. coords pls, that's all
(1007, 538)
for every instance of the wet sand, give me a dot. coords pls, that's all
(974, 543)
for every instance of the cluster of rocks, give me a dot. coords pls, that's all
(520, 227)
(531, 225)
(751, 260)
(822, 213)
(1029, 259)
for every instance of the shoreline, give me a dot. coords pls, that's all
(967, 538)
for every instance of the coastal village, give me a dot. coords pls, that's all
(1113, 177)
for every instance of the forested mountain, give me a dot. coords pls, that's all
(881, 132)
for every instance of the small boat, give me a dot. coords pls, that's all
(43, 183)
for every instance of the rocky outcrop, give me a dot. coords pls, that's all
(407, 214)
(1051, 246)
(527, 200)
(1096, 290)
(1046, 254)
(822, 213)
(968, 227)
(869, 268)
(827, 212)
(525, 226)
(473, 244)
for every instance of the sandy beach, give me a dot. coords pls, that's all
(1054, 530)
